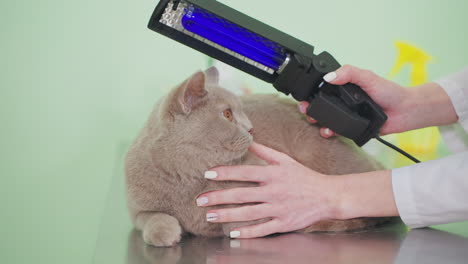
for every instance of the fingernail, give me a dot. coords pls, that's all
(330, 76)
(202, 201)
(211, 174)
(211, 217)
(302, 108)
(234, 234)
(310, 119)
(327, 131)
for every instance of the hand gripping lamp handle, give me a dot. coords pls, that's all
(346, 109)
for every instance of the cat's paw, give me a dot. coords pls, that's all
(162, 232)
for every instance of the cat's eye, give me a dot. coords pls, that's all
(228, 114)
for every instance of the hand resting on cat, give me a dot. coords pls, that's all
(200, 125)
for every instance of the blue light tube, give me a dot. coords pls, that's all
(233, 37)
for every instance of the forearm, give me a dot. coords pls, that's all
(367, 194)
(428, 105)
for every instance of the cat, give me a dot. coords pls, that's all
(198, 126)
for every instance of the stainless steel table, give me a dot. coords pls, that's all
(392, 245)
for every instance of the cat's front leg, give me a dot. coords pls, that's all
(159, 229)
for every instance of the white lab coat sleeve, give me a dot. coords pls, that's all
(456, 86)
(436, 192)
(433, 192)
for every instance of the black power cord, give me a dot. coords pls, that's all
(388, 144)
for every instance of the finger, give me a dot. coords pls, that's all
(240, 214)
(351, 74)
(303, 106)
(258, 230)
(248, 173)
(303, 109)
(267, 154)
(311, 120)
(326, 132)
(231, 196)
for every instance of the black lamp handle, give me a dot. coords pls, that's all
(348, 111)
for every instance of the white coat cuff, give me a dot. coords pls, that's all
(459, 100)
(404, 197)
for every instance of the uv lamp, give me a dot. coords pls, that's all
(272, 56)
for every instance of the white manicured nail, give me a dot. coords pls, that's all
(327, 131)
(330, 76)
(211, 174)
(234, 234)
(202, 201)
(211, 217)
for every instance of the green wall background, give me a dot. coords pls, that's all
(78, 78)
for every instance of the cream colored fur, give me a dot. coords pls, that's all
(187, 134)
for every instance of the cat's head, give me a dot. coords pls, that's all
(203, 118)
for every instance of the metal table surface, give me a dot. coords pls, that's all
(118, 243)
(379, 246)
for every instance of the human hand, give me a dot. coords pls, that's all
(293, 195)
(393, 98)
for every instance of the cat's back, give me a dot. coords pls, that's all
(277, 123)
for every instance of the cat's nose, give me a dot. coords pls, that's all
(251, 131)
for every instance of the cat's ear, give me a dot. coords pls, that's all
(189, 94)
(212, 75)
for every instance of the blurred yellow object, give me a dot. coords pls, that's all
(417, 60)
(422, 140)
